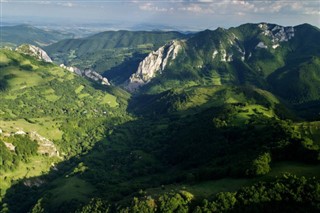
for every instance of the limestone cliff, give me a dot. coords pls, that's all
(34, 51)
(154, 63)
(89, 73)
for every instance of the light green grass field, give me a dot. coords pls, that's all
(22, 78)
(37, 166)
(249, 110)
(46, 127)
(79, 89)
(110, 100)
(4, 60)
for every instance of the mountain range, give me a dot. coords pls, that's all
(20, 34)
(224, 120)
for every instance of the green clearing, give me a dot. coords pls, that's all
(209, 188)
(36, 166)
(48, 91)
(200, 97)
(4, 60)
(79, 89)
(70, 188)
(29, 63)
(83, 95)
(46, 127)
(296, 168)
(50, 95)
(247, 111)
(110, 100)
(59, 72)
(203, 189)
(11, 96)
(21, 79)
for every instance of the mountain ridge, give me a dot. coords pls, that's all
(24, 33)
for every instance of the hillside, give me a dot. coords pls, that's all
(21, 34)
(113, 53)
(281, 60)
(45, 103)
(236, 56)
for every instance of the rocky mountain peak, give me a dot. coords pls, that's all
(34, 51)
(276, 32)
(154, 63)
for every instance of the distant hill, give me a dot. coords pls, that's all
(113, 39)
(20, 34)
(116, 54)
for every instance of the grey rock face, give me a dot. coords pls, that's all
(34, 51)
(89, 73)
(154, 63)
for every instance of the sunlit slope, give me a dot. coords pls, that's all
(39, 96)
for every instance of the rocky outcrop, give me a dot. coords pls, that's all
(34, 51)
(89, 73)
(33, 182)
(276, 33)
(46, 146)
(95, 76)
(10, 146)
(72, 69)
(261, 45)
(154, 63)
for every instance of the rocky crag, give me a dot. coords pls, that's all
(34, 51)
(153, 64)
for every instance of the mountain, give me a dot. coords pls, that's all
(112, 53)
(113, 39)
(21, 34)
(279, 59)
(242, 57)
(212, 123)
(154, 62)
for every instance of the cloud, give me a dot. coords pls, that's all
(151, 7)
(44, 2)
(60, 3)
(235, 7)
(195, 8)
(66, 4)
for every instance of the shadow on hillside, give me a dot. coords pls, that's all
(146, 153)
(104, 162)
(126, 68)
(3, 84)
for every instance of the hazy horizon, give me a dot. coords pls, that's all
(149, 15)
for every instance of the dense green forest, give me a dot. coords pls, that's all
(205, 135)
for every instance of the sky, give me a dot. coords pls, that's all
(180, 14)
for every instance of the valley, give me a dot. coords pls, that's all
(223, 120)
